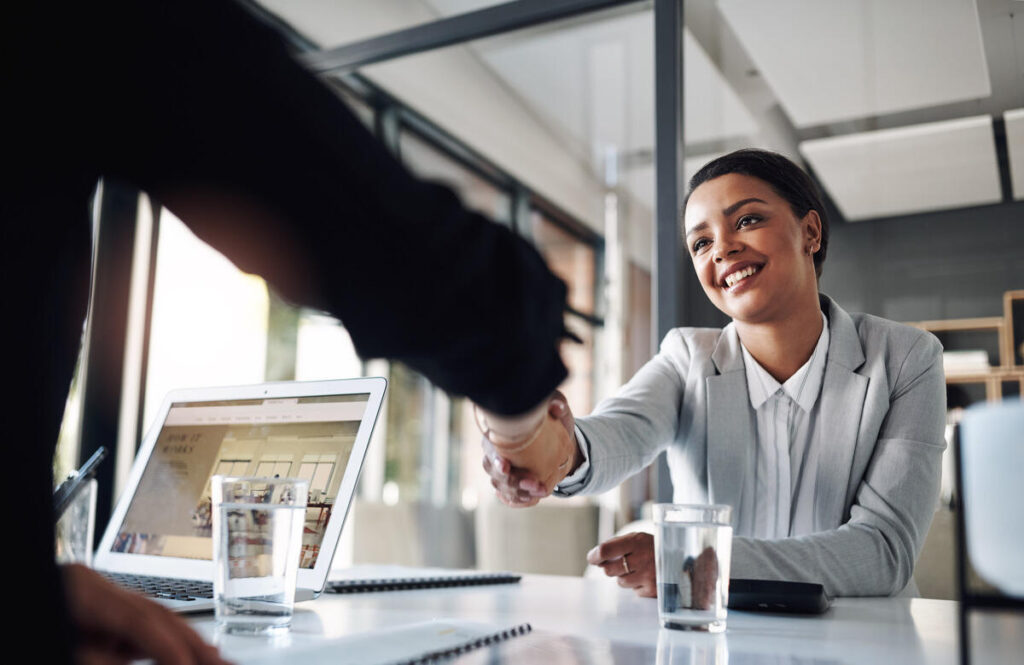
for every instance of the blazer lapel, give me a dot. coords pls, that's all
(731, 438)
(842, 401)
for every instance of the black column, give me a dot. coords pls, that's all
(105, 335)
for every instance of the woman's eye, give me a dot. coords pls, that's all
(747, 220)
(699, 245)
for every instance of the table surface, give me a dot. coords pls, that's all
(577, 620)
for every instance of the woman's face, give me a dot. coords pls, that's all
(749, 249)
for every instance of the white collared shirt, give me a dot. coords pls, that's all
(788, 447)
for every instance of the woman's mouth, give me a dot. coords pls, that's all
(734, 278)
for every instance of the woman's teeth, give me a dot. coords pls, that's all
(732, 278)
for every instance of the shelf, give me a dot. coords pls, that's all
(1010, 340)
(993, 380)
(1014, 337)
(944, 325)
(996, 324)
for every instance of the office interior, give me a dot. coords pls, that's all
(577, 124)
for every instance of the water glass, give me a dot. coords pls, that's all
(693, 548)
(75, 527)
(257, 540)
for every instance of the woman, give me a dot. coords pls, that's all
(823, 429)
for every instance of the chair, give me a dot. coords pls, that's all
(548, 539)
(411, 534)
(935, 570)
(990, 533)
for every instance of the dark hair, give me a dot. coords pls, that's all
(787, 179)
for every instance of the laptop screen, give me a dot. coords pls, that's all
(300, 437)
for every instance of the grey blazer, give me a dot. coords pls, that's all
(883, 401)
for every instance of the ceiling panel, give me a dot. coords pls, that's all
(835, 60)
(1015, 145)
(907, 170)
(552, 72)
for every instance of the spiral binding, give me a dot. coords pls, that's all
(405, 583)
(458, 650)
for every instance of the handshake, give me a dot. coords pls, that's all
(527, 456)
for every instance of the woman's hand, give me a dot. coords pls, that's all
(118, 626)
(629, 558)
(524, 478)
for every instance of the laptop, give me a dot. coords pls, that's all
(158, 540)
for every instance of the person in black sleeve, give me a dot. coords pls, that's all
(201, 105)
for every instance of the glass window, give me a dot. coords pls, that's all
(569, 258)
(324, 349)
(638, 326)
(317, 469)
(579, 358)
(209, 323)
(66, 454)
(233, 467)
(477, 193)
(409, 428)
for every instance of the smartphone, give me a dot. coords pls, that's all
(777, 596)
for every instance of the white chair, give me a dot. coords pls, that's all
(547, 539)
(411, 534)
(990, 534)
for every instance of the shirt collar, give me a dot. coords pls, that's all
(803, 387)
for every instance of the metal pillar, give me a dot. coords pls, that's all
(106, 335)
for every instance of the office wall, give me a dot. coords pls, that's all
(938, 265)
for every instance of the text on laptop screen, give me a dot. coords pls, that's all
(299, 437)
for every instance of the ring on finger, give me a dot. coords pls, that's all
(625, 565)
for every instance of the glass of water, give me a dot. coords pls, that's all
(693, 548)
(257, 539)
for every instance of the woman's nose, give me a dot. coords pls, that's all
(726, 247)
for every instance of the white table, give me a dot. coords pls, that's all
(580, 621)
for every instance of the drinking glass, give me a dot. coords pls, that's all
(75, 527)
(693, 548)
(257, 539)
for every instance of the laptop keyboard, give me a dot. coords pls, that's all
(163, 587)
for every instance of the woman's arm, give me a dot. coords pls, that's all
(874, 552)
(626, 432)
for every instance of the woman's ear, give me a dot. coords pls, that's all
(811, 224)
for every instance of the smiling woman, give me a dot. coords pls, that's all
(822, 429)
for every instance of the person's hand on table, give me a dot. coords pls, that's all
(630, 558)
(118, 626)
(524, 477)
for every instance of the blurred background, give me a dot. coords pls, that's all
(909, 113)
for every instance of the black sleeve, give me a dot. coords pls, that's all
(207, 109)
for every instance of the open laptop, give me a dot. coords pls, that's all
(159, 541)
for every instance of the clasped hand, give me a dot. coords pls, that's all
(524, 477)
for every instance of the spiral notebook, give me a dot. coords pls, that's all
(363, 579)
(413, 644)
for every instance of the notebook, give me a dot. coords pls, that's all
(158, 539)
(411, 644)
(372, 578)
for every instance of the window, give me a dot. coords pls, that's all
(233, 467)
(271, 466)
(477, 192)
(317, 469)
(209, 323)
(568, 257)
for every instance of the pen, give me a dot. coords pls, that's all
(67, 490)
